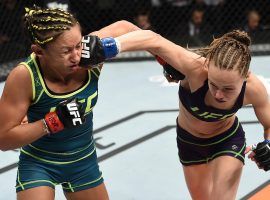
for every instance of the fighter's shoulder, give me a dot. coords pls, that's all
(19, 77)
(20, 73)
(255, 89)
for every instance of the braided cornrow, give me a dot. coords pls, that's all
(44, 25)
(229, 52)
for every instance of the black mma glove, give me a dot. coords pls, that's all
(262, 154)
(95, 50)
(169, 71)
(68, 114)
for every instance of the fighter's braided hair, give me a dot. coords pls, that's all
(231, 51)
(45, 25)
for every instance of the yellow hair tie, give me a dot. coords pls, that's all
(28, 11)
(31, 12)
(44, 41)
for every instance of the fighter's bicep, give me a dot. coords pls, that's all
(16, 98)
(257, 96)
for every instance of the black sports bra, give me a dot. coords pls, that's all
(194, 103)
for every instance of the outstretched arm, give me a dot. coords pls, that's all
(183, 60)
(116, 29)
(91, 42)
(122, 27)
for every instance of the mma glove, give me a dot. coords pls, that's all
(262, 154)
(68, 114)
(169, 72)
(95, 50)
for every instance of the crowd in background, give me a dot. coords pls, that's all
(192, 22)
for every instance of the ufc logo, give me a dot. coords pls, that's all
(73, 111)
(85, 49)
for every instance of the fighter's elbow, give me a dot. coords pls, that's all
(126, 26)
(4, 147)
(4, 144)
(116, 29)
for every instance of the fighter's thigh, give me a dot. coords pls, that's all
(33, 173)
(198, 180)
(99, 192)
(38, 193)
(227, 172)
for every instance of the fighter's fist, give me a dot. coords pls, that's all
(171, 74)
(95, 50)
(262, 155)
(68, 114)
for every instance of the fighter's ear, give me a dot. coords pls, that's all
(206, 64)
(37, 49)
(248, 74)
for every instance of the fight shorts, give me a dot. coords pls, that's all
(75, 172)
(194, 150)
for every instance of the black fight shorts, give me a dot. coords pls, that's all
(194, 150)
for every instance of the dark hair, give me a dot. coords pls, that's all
(44, 25)
(230, 51)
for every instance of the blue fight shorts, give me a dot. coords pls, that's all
(73, 172)
(194, 150)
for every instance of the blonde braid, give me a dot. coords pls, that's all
(44, 25)
(229, 52)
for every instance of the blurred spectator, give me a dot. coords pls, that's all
(252, 25)
(196, 31)
(142, 19)
(196, 22)
(199, 31)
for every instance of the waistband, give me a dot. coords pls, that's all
(58, 157)
(187, 137)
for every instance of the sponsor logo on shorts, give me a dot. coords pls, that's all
(234, 147)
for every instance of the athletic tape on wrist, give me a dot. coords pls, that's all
(110, 47)
(53, 122)
(118, 45)
(267, 141)
(45, 127)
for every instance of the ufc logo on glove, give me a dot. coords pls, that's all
(73, 111)
(68, 114)
(85, 48)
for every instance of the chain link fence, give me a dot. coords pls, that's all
(190, 23)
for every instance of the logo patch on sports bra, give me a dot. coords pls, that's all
(210, 115)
